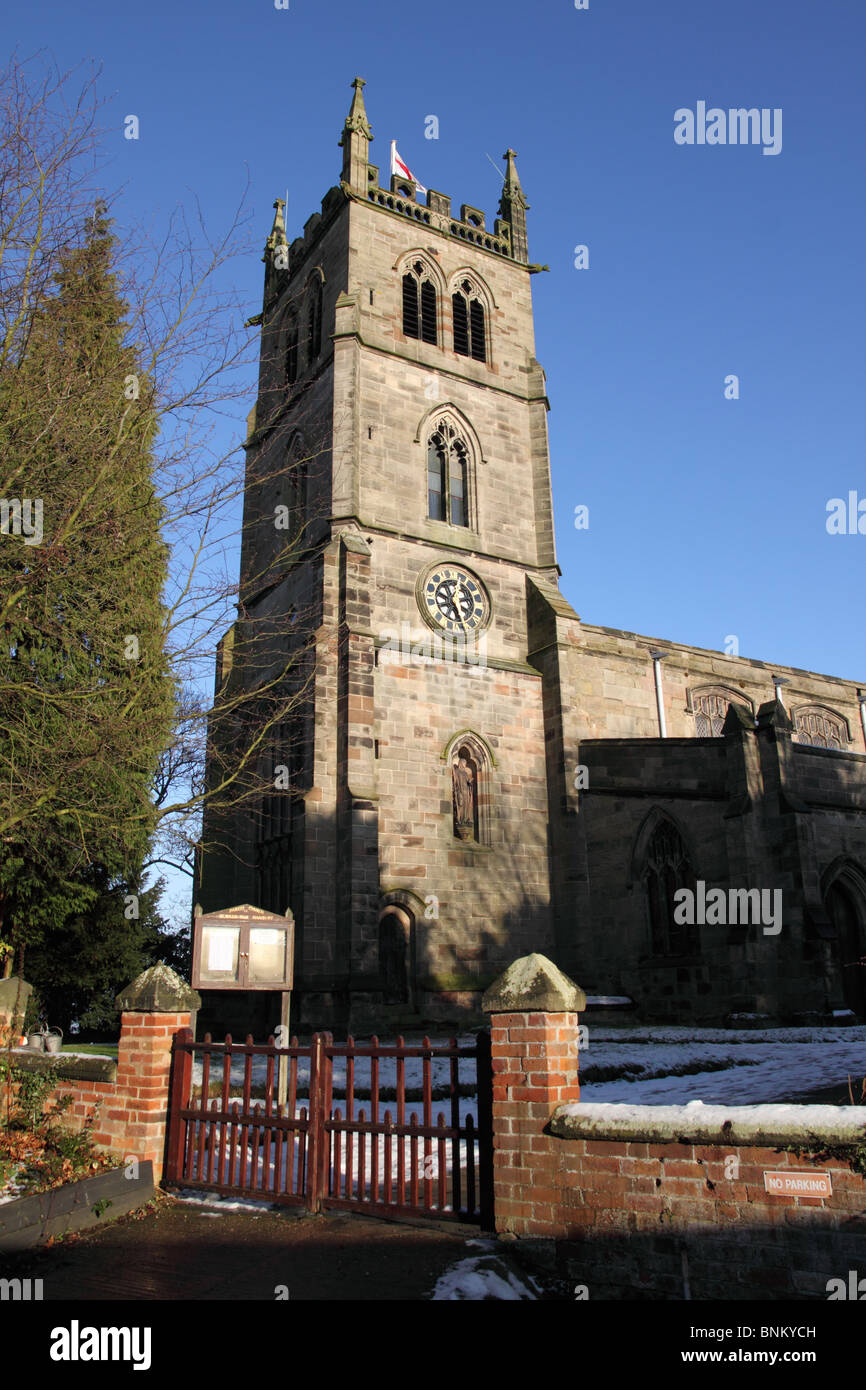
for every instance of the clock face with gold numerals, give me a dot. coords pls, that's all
(453, 600)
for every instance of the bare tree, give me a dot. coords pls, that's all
(196, 357)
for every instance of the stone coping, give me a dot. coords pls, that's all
(696, 1123)
(75, 1067)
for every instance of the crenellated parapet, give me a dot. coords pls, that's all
(468, 227)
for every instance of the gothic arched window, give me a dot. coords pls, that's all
(470, 336)
(710, 709)
(291, 509)
(273, 824)
(667, 869)
(447, 476)
(314, 337)
(292, 351)
(419, 304)
(819, 727)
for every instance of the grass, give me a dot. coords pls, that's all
(95, 1049)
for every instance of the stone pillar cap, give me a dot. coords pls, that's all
(533, 984)
(158, 990)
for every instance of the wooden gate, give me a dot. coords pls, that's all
(363, 1126)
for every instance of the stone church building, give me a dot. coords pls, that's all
(470, 771)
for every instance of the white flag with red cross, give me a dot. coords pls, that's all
(403, 170)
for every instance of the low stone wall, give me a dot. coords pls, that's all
(664, 1202)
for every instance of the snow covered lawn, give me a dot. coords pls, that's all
(642, 1066)
(726, 1066)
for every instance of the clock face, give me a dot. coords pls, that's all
(453, 600)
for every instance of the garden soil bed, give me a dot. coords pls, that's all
(29, 1221)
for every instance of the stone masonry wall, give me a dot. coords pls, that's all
(616, 698)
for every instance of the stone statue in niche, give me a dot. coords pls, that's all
(464, 796)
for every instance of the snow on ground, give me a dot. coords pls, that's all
(440, 1070)
(222, 1204)
(765, 1065)
(380, 1169)
(483, 1278)
(637, 1065)
(831, 1122)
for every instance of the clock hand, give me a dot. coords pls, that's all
(450, 599)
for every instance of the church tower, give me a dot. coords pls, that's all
(398, 533)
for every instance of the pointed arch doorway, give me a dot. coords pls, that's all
(847, 912)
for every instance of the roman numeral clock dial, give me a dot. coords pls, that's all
(453, 600)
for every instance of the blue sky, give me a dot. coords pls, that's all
(707, 516)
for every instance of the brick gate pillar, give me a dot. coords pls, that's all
(533, 1036)
(153, 1008)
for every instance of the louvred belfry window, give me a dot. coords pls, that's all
(419, 305)
(470, 338)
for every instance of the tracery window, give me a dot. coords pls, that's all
(290, 512)
(710, 710)
(470, 336)
(273, 824)
(292, 351)
(820, 728)
(314, 337)
(447, 476)
(668, 869)
(419, 304)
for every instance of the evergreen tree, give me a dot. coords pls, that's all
(86, 697)
(80, 966)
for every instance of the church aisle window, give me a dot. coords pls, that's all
(667, 870)
(710, 708)
(820, 728)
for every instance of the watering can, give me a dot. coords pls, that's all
(52, 1039)
(36, 1039)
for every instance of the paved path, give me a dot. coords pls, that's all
(183, 1251)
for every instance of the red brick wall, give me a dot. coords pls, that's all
(132, 1111)
(632, 1219)
(534, 1071)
